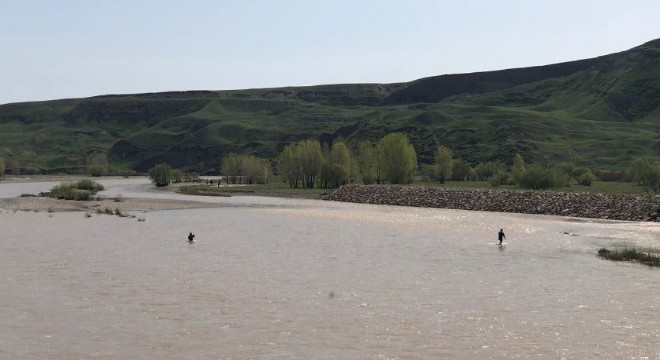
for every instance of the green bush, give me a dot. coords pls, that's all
(63, 191)
(161, 175)
(586, 178)
(191, 177)
(81, 190)
(612, 176)
(537, 177)
(82, 195)
(426, 172)
(647, 173)
(461, 170)
(90, 185)
(334, 176)
(177, 176)
(500, 178)
(486, 170)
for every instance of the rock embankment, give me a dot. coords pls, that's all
(585, 205)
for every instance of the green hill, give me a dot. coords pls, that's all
(599, 112)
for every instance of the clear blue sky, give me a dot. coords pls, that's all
(51, 49)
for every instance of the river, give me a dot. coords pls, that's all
(272, 278)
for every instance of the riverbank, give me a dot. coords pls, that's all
(44, 204)
(584, 205)
(270, 190)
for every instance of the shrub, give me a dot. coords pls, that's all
(647, 173)
(472, 175)
(334, 176)
(191, 177)
(586, 178)
(177, 175)
(14, 167)
(90, 185)
(461, 170)
(81, 195)
(30, 171)
(97, 164)
(486, 170)
(537, 177)
(81, 190)
(126, 173)
(612, 176)
(426, 172)
(518, 166)
(63, 191)
(161, 175)
(501, 178)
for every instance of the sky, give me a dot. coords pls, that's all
(53, 49)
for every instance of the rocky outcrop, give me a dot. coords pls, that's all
(585, 205)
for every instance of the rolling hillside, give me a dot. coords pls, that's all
(600, 112)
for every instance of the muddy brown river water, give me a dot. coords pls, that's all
(272, 278)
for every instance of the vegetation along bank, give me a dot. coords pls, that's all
(584, 205)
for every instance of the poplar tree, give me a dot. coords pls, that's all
(311, 161)
(336, 170)
(398, 157)
(289, 167)
(301, 163)
(97, 164)
(366, 160)
(518, 167)
(231, 167)
(443, 163)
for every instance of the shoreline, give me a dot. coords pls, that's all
(582, 205)
(44, 204)
(624, 207)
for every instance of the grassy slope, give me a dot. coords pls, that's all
(600, 112)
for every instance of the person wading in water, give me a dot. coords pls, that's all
(501, 236)
(191, 237)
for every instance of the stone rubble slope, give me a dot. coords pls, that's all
(584, 205)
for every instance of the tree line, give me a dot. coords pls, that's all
(392, 159)
(307, 164)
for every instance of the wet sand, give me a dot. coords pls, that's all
(41, 204)
(113, 201)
